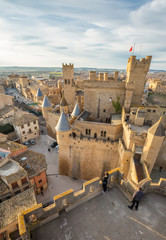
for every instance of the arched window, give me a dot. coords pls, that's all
(95, 135)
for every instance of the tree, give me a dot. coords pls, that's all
(116, 105)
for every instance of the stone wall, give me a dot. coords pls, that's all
(37, 216)
(98, 97)
(113, 132)
(83, 157)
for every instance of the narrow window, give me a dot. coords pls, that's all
(101, 133)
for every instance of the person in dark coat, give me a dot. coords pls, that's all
(104, 182)
(138, 195)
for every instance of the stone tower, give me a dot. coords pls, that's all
(69, 85)
(64, 106)
(153, 144)
(39, 95)
(63, 130)
(46, 106)
(135, 80)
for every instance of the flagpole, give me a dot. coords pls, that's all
(133, 48)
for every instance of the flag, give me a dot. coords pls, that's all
(131, 49)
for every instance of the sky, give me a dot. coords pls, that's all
(88, 33)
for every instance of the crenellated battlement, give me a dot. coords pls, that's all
(105, 142)
(65, 65)
(37, 216)
(143, 63)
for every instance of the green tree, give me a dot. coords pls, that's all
(116, 105)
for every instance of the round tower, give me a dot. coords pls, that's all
(64, 106)
(63, 131)
(46, 106)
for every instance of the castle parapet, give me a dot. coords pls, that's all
(143, 64)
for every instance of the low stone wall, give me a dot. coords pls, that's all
(38, 216)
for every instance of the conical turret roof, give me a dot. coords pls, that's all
(63, 124)
(63, 102)
(46, 102)
(76, 111)
(157, 129)
(39, 93)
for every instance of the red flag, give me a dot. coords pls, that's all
(131, 49)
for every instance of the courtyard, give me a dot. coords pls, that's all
(56, 183)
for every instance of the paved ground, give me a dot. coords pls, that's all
(156, 175)
(140, 129)
(56, 183)
(107, 217)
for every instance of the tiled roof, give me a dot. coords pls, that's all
(3, 187)
(12, 146)
(33, 163)
(23, 118)
(10, 208)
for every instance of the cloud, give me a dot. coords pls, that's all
(90, 33)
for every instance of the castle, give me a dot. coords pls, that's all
(103, 126)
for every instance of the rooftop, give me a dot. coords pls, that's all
(23, 118)
(76, 111)
(107, 217)
(33, 162)
(6, 110)
(3, 187)
(39, 93)
(46, 102)
(11, 171)
(10, 209)
(63, 102)
(63, 124)
(12, 146)
(84, 116)
(140, 129)
(36, 87)
(116, 119)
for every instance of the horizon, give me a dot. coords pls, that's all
(97, 33)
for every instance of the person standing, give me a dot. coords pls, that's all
(104, 182)
(138, 195)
